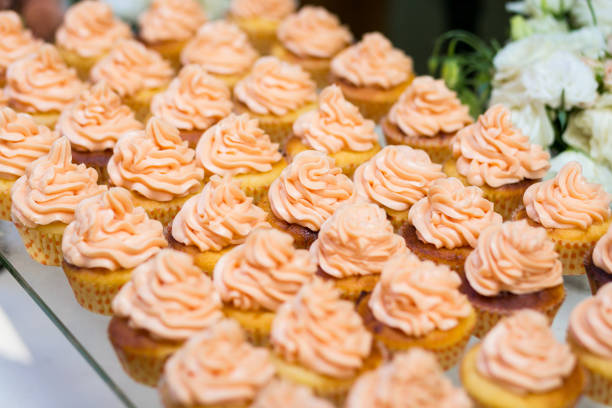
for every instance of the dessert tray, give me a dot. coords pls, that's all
(86, 331)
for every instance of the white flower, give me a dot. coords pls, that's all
(582, 17)
(608, 75)
(593, 172)
(534, 122)
(591, 131)
(547, 25)
(540, 7)
(561, 78)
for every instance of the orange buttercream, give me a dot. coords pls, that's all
(21, 142)
(309, 190)
(219, 216)
(521, 354)
(337, 124)
(452, 215)
(275, 87)
(567, 201)
(52, 187)
(281, 393)
(155, 163)
(591, 323)
(17, 42)
(602, 253)
(321, 332)
(274, 10)
(397, 177)
(171, 20)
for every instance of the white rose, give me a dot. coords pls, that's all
(593, 172)
(540, 7)
(561, 76)
(547, 25)
(582, 17)
(591, 131)
(534, 122)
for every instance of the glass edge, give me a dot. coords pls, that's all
(65, 331)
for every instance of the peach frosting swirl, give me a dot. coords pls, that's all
(602, 253)
(494, 152)
(337, 124)
(221, 48)
(41, 82)
(90, 29)
(17, 42)
(356, 240)
(221, 215)
(3, 98)
(413, 379)
(397, 177)
(318, 330)
(275, 87)
(21, 142)
(171, 20)
(170, 297)
(591, 323)
(109, 232)
(418, 297)
(521, 354)
(567, 201)
(427, 108)
(217, 367)
(274, 10)
(313, 32)
(155, 163)
(309, 190)
(96, 119)
(194, 100)
(264, 272)
(237, 145)
(513, 257)
(372, 62)
(452, 215)
(279, 393)
(51, 188)
(130, 67)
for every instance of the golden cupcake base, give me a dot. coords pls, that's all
(261, 32)
(162, 211)
(170, 51)
(597, 276)
(5, 199)
(48, 119)
(141, 356)
(140, 102)
(599, 373)
(256, 185)
(256, 324)
(95, 288)
(302, 237)
(318, 68)
(351, 287)
(43, 243)
(168, 402)
(488, 394)
(81, 64)
(397, 218)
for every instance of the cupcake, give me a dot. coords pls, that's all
(254, 279)
(44, 199)
(337, 129)
(411, 380)
(372, 74)
(223, 50)
(193, 102)
(589, 334)
(167, 301)
(444, 226)
(106, 240)
(167, 25)
(238, 147)
(93, 123)
(260, 19)
(427, 116)
(396, 178)
(418, 304)
(319, 341)
(353, 246)
(276, 93)
(279, 393)
(42, 85)
(306, 194)
(17, 42)
(311, 38)
(575, 213)
(497, 157)
(158, 167)
(216, 368)
(21, 142)
(514, 266)
(214, 221)
(598, 263)
(520, 364)
(135, 73)
(87, 34)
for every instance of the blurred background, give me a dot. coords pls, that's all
(38, 367)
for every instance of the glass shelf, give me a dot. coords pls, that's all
(86, 331)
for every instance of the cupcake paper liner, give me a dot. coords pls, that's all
(261, 33)
(438, 153)
(167, 401)
(571, 254)
(162, 211)
(82, 64)
(256, 185)
(5, 199)
(352, 287)
(48, 119)
(170, 51)
(44, 245)
(256, 324)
